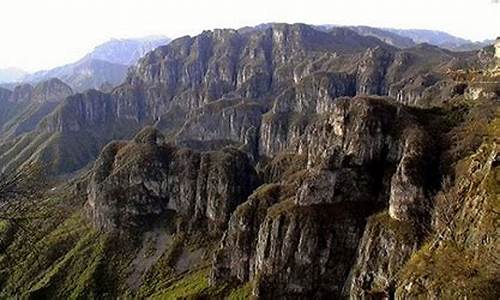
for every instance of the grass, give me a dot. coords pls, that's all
(187, 287)
(4, 226)
(195, 285)
(241, 293)
(281, 208)
(403, 230)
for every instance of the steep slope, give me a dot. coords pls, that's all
(36, 103)
(7, 107)
(23, 108)
(305, 239)
(78, 129)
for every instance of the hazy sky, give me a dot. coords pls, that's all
(40, 34)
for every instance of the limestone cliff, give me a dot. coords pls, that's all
(135, 183)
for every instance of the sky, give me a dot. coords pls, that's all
(41, 34)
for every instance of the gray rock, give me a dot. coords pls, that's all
(134, 183)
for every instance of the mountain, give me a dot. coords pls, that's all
(433, 37)
(404, 38)
(126, 51)
(218, 89)
(85, 74)
(26, 106)
(277, 162)
(389, 37)
(11, 75)
(441, 39)
(106, 65)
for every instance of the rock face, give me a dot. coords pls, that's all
(407, 195)
(302, 240)
(236, 256)
(92, 108)
(28, 105)
(295, 238)
(251, 88)
(134, 183)
(306, 251)
(52, 90)
(385, 247)
(224, 120)
(355, 130)
(22, 93)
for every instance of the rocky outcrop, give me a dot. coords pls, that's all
(4, 94)
(337, 186)
(231, 120)
(22, 93)
(305, 252)
(80, 112)
(137, 182)
(459, 261)
(372, 71)
(385, 247)
(355, 127)
(279, 131)
(315, 93)
(306, 244)
(52, 90)
(235, 257)
(407, 197)
(26, 106)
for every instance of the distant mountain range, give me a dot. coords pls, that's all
(105, 66)
(11, 75)
(126, 51)
(405, 38)
(440, 39)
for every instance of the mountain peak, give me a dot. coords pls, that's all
(107, 63)
(22, 93)
(51, 90)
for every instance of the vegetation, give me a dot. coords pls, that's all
(241, 293)
(459, 259)
(188, 287)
